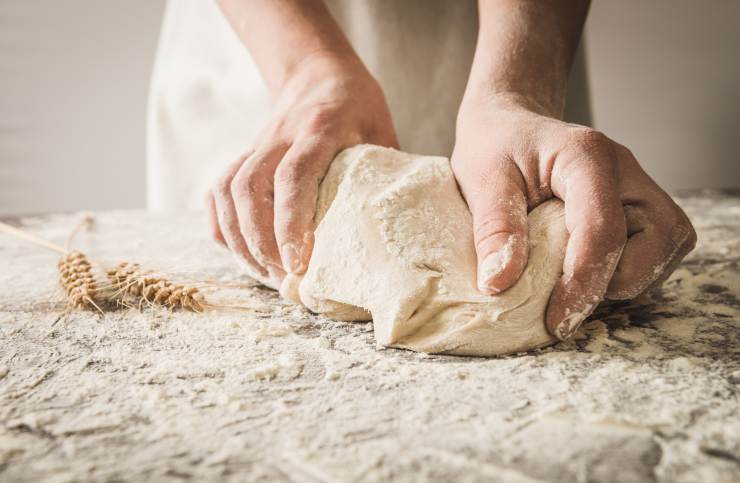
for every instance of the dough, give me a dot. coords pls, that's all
(394, 243)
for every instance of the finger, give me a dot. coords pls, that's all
(499, 208)
(252, 191)
(660, 236)
(673, 263)
(659, 233)
(297, 181)
(213, 219)
(228, 221)
(584, 178)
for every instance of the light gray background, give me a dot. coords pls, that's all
(665, 81)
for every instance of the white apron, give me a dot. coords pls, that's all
(207, 101)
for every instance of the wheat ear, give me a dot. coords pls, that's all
(78, 281)
(129, 281)
(75, 270)
(145, 287)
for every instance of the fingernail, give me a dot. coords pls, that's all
(569, 325)
(292, 258)
(493, 265)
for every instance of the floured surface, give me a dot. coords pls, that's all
(648, 392)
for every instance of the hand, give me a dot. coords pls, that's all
(626, 234)
(262, 208)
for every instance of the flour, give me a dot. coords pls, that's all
(496, 262)
(267, 331)
(285, 365)
(395, 242)
(646, 390)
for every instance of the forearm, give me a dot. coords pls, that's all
(525, 50)
(281, 35)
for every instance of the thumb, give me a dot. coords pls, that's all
(499, 210)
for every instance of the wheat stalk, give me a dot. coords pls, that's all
(126, 283)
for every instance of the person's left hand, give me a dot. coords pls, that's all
(626, 234)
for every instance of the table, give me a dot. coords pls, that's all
(648, 390)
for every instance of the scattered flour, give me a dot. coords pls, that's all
(647, 391)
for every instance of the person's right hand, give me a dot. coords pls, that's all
(262, 208)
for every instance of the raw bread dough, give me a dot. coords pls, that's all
(394, 243)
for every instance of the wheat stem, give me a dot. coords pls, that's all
(11, 230)
(85, 223)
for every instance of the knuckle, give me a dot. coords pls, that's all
(586, 136)
(693, 238)
(245, 184)
(675, 227)
(682, 233)
(289, 172)
(497, 230)
(479, 175)
(273, 130)
(623, 151)
(307, 164)
(499, 224)
(222, 187)
(590, 145)
(318, 119)
(485, 236)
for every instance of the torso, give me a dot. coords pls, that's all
(207, 100)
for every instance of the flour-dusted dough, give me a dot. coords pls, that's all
(394, 243)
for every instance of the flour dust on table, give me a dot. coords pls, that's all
(647, 390)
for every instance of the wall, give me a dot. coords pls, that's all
(74, 74)
(665, 81)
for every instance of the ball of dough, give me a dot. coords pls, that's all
(394, 243)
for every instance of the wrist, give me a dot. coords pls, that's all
(494, 104)
(524, 54)
(488, 95)
(318, 67)
(324, 78)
